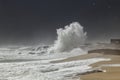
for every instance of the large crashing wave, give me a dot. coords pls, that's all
(72, 36)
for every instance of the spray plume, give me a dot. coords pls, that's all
(70, 37)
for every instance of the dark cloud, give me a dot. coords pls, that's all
(32, 21)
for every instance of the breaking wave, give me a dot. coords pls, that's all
(70, 37)
(35, 63)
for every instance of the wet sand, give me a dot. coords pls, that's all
(112, 73)
(80, 57)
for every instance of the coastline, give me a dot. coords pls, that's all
(112, 72)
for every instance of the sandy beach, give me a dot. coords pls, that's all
(80, 57)
(112, 73)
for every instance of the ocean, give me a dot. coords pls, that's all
(36, 63)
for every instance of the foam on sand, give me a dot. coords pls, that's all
(50, 71)
(110, 65)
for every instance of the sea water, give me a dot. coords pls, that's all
(36, 61)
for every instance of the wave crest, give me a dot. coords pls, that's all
(72, 36)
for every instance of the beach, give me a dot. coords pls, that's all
(112, 72)
(74, 65)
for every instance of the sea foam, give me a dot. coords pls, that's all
(70, 37)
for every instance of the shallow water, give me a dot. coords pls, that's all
(43, 70)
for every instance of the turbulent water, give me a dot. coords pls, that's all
(34, 63)
(72, 36)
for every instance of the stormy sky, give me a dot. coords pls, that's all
(36, 21)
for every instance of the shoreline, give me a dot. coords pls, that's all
(112, 72)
